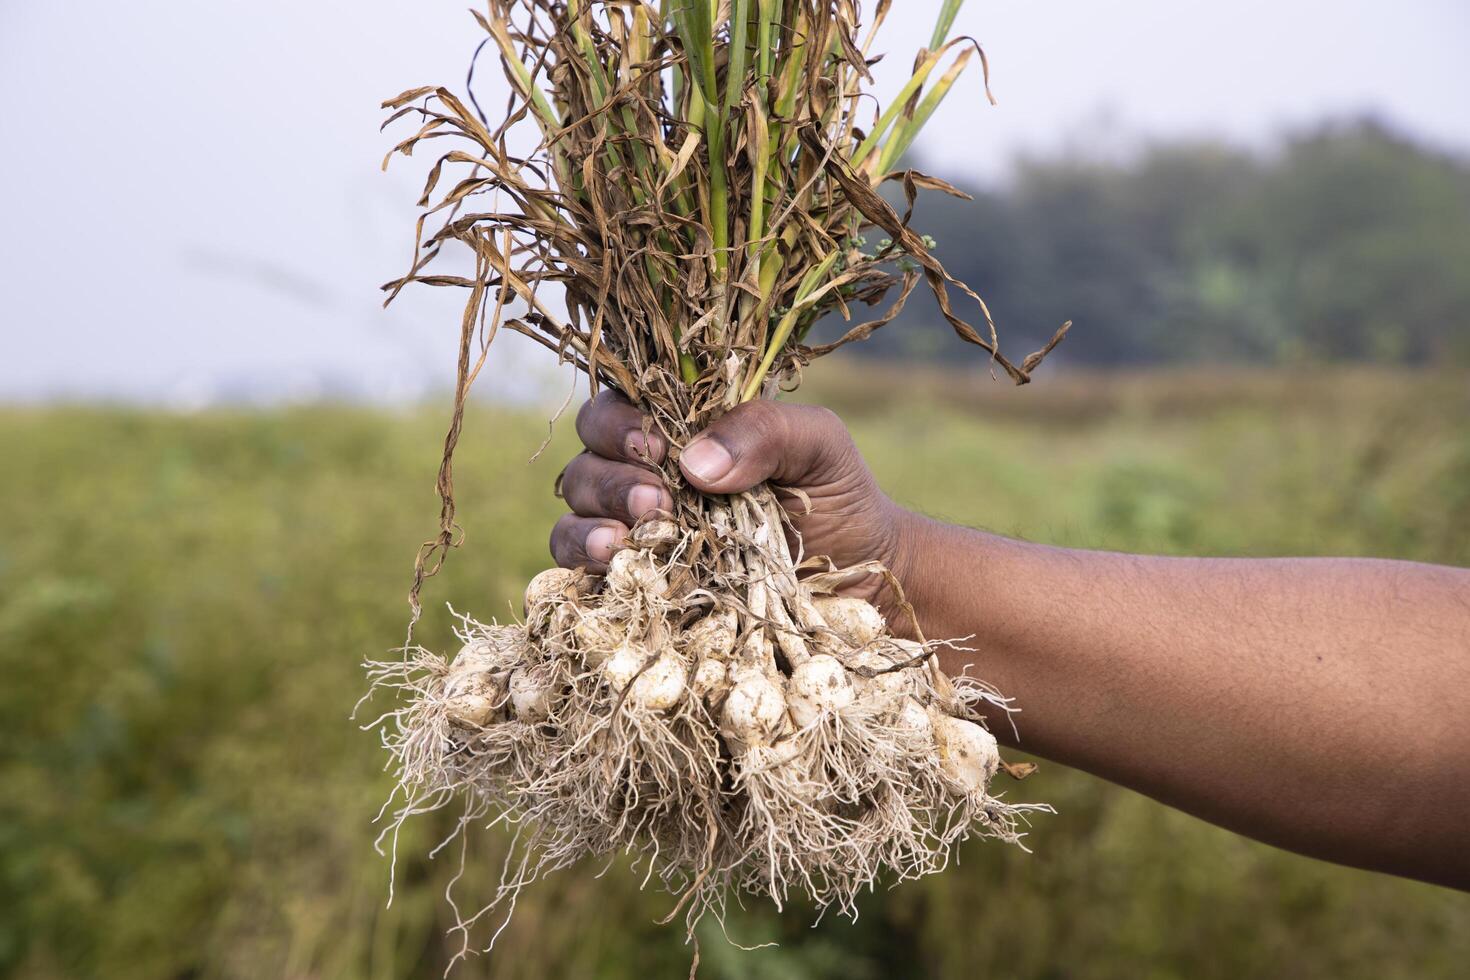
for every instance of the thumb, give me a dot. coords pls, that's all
(795, 445)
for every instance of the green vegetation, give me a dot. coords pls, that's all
(185, 600)
(1346, 242)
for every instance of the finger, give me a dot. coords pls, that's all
(597, 487)
(794, 445)
(586, 542)
(612, 428)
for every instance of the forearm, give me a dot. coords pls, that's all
(1318, 704)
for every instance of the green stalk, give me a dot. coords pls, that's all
(945, 22)
(789, 70)
(546, 116)
(719, 195)
(909, 127)
(589, 53)
(870, 144)
(739, 40)
(765, 18)
(601, 87)
(676, 80)
(760, 164)
(737, 54)
(809, 284)
(796, 55)
(696, 28)
(688, 368)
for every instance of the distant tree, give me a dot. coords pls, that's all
(1361, 240)
(1345, 242)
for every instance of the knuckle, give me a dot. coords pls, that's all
(562, 544)
(823, 418)
(759, 425)
(763, 413)
(574, 475)
(813, 425)
(584, 417)
(595, 487)
(604, 409)
(612, 492)
(813, 444)
(829, 433)
(593, 416)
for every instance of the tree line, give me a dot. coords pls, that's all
(1348, 242)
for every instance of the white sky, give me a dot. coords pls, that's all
(191, 204)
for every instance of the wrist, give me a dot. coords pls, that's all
(910, 559)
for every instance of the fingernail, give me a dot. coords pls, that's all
(644, 498)
(601, 543)
(639, 447)
(706, 460)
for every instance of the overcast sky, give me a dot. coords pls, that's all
(191, 204)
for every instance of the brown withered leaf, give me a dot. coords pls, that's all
(602, 244)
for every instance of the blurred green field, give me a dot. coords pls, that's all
(185, 600)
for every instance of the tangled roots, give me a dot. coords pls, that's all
(738, 729)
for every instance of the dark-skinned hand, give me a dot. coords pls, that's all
(614, 483)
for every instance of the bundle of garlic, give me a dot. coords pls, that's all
(712, 703)
(756, 732)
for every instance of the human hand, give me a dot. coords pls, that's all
(615, 482)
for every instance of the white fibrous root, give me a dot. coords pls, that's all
(740, 727)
